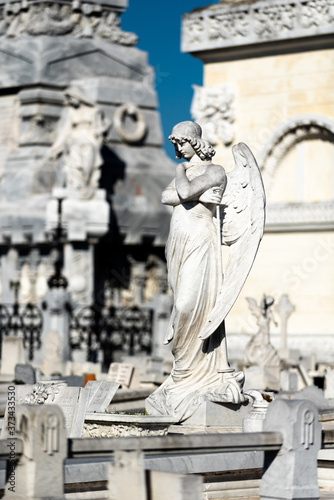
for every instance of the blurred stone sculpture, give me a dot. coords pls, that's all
(259, 351)
(82, 20)
(81, 134)
(213, 109)
(210, 208)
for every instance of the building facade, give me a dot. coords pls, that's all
(269, 66)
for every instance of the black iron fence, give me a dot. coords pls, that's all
(110, 329)
(25, 321)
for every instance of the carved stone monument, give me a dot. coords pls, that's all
(79, 122)
(211, 208)
(79, 139)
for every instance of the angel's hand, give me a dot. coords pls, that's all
(212, 195)
(54, 154)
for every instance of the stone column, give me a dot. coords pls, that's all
(139, 279)
(126, 477)
(56, 350)
(162, 305)
(8, 273)
(79, 270)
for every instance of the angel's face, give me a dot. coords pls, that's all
(185, 149)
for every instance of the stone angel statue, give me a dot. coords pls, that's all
(259, 351)
(211, 208)
(81, 133)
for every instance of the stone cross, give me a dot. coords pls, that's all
(284, 308)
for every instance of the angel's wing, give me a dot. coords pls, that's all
(253, 307)
(243, 219)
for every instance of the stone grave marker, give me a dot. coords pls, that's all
(25, 373)
(72, 400)
(74, 380)
(100, 394)
(314, 394)
(124, 374)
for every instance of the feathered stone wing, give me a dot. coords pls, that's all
(243, 217)
(253, 307)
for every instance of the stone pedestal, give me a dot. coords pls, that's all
(289, 380)
(216, 417)
(266, 378)
(82, 217)
(254, 421)
(85, 221)
(12, 353)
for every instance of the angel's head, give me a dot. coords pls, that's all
(186, 134)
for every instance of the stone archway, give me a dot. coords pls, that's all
(295, 130)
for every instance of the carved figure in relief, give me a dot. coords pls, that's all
(202, 195)
(213, 109)
(227, 25)
(81, 134)
(193, 28)
(65, 18)
(42, 393)
(270, 21)
(259, 351)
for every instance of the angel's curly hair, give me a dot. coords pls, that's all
(192, 133)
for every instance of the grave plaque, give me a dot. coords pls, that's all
(100, 394)
(121, 373)
(74, 402)
(25, 373)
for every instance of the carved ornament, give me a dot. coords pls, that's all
(130, 136)
(295, 130)
(292, 216)
(213, 109)
(255, 22)
(82, 20)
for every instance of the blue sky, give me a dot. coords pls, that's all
(158, 26)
